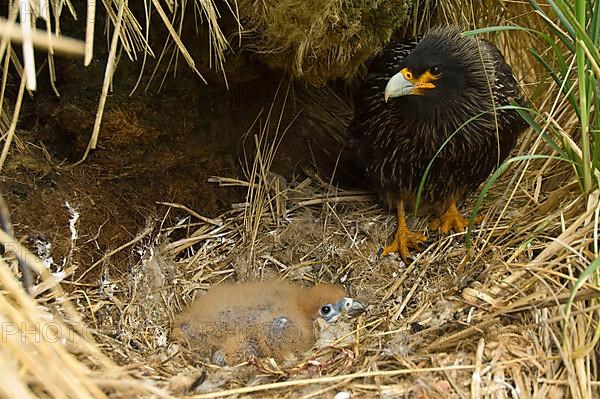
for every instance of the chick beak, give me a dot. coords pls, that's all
(399, 85)
(355, 308)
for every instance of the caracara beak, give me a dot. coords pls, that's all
(399, 85)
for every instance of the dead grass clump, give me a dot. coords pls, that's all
(126, 128)
(47, 350)
(320, 40)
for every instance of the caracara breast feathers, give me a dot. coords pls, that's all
(436, 97)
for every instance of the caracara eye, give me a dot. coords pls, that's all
(408, 75)
(436, 70)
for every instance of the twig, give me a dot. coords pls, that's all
(143, 234)
(348, 198)
(215, 222)
(24, 267)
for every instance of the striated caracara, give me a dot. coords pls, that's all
(420, 93)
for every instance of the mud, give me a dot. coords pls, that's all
(154, 146)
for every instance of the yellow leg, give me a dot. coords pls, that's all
(404, 239)
(450, 220)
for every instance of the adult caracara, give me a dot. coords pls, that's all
(418, 94)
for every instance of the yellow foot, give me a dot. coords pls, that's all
(450, 220)
(404, 241)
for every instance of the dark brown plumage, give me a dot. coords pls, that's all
(232, 322)
(417, 94)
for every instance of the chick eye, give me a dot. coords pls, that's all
(325, 310)
(436, 70)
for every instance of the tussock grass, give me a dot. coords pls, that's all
(321, 40)
(124, 29)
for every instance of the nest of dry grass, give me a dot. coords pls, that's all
(455, 323)
(452, 324)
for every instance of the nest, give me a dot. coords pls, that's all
(320, 40)
(452, 323)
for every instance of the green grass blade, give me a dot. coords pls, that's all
(564, 16)
(595, 25)
(588, 273)
(489, 29)
(565, 39)
(595, 130)
(558, 80)
(539, 130)
(562, 64)
(430, 164)
(579, 26)
(584, 103)
(490, 182)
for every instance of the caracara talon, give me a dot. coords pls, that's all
(403, 242)
(450, 220)
(404, 239)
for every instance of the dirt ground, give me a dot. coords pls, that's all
(154, 146)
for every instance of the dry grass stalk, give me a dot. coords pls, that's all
(45, 41)
(45, 341)
(261, 181)
(89, 32)
(108, 73)
(8, 137)
(29, 61)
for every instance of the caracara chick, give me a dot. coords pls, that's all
(233, 322)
